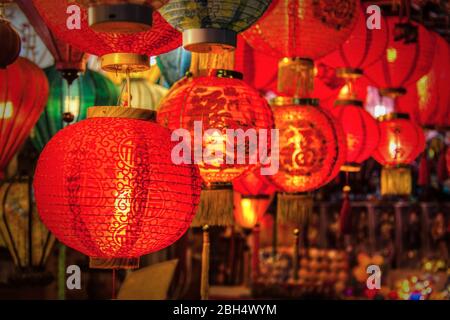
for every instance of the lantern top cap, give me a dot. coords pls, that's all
(125, 62)
(351, 102)
(393, 92)
(393, 116)
(218, 73)
(304, 61)
(285, 101)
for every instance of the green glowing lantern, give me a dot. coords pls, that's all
(67, 104)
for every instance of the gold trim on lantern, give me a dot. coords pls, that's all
(121, 112)
(209, 40)
(351, 102)
(392, 92)
(125, 62)
(286, 101)
(120, 18)
(349, 73)
(113, 263)
(218, 73)
(351, 167)
(392, 116)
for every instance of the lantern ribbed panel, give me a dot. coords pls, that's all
(312, 148)
(233, 15)
(401, 142)
(107, 187)
(159, 39)
(402, 64)
(427, 101)
(362, 48)
(23, 93)
(361, 132)
(219, 103)
(90, 88)
(307, 29)
(252, 184)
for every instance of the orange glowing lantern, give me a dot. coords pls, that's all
(401, 141)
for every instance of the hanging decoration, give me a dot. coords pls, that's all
(23, 93)
(119, 51)
(11, 43)
(114, 193)
(26, 238)
(401, 142)
(212, 25)
(124, 16)
(68, 104)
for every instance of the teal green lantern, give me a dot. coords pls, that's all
(68, 104)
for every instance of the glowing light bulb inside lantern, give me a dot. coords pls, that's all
(72, 105)
(6, 110)
(249, 216)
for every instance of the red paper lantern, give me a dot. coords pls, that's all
(312, 145)
(307, 29)
(159, 39)
(23, 94)
(220, 100)
(401, 141)
(107, 187)
(253, 184)
(402, 63)
(428, 100)
(361, 131)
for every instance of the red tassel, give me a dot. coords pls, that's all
(424, 172)
(345, 220)
(442, 171)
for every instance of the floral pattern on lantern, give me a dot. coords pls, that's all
(217, 102)
(23, 93)
(361, 132)
(312, 145)
(113, 192)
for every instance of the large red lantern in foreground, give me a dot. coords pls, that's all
(401, 141)
(312, 145)
(217, 100)
(361, 132)
(23, 94)
(107, 187)
(117, 49)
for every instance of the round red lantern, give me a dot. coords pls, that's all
(403, 62)
(119, 50)
(213, 103)
(113, 192)
(311, 143)
(361, 132)
(401, 142)
(23, 94)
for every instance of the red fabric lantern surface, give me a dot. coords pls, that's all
(311, 143)
(362, 48)
(361, 131)
(427, 101)
(402, 64)
(401, 141)
(159, 39)
(23, 95)
(218, 100)
(253, 184)
(308, 29)
(108, 188)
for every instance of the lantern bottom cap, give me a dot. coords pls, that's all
(209, 40)
(349, 73)
(351, 167)
(125, 62)
(114, 263)
(120, 18)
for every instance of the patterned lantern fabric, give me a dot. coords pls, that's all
(363, 48)
(159, 39)
(428, 100)
(401, 141)
(90, 88)
(217, 103)
(308, 29)
(23, 94)
(113, 192)
(312, 145)
(223, 18)
(402, 63)
(361, 131)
